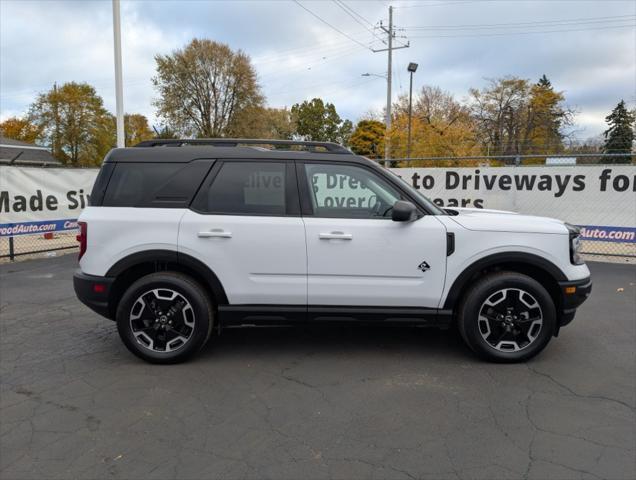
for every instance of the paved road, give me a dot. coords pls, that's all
(310, 403)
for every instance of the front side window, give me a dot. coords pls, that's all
(347, 191)
(248, 188)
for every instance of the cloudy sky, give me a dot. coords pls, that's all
(586, 48)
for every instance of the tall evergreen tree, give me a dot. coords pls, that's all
(547, 116)
(619, 137)
(544, 82)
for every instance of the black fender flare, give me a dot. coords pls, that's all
(529, 259)
(185, 261)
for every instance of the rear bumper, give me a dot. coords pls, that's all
(93, 291)
(573, 294)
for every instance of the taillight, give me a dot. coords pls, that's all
(82, 238)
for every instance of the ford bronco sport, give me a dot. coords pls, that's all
(185, 236)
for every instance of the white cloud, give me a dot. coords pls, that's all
(298, 57)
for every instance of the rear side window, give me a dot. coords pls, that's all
(99, 187)
(247, 188)
(158, 185)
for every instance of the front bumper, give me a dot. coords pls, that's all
(94, 292)
(573, 294)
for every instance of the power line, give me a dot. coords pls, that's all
(317, 62)
(443, 4)
(330, 25)
(351, 13)
(348, 85)
(357, 14)
(301, 50)
(317, 55)
(538, 23)
(522, 33)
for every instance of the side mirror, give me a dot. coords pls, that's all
(403, 211)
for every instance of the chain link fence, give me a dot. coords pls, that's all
(586, 193)
(25, 245)
(573, 188)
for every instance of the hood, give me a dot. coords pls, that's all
(502, 221)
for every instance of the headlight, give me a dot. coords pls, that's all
(575, 244)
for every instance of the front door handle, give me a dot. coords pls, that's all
(336, 236)
(215, 233)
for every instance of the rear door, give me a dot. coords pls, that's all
(245, 225)
(358, 256)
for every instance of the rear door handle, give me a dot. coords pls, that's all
(336, 236)
(215, 233)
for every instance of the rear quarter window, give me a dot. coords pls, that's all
(158, 185)
(101, 182)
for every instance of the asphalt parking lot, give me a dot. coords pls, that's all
(338, 402)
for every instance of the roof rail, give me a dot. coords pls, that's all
(329, 147)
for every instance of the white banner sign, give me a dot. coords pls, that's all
(601, 198)
(40, 200)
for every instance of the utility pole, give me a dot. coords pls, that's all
(119, 100)
(391, 35)
(389, 69)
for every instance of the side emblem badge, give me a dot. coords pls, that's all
(424, 266)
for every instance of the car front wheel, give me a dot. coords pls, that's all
(165, 317)
(507, 317)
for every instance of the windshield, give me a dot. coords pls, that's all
(434, 209)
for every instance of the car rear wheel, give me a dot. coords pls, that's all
(165, 317)
(507, 317)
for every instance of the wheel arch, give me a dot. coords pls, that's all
(134, 266)
(536, 267)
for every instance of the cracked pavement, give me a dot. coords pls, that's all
(313, 403)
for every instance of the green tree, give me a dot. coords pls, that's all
(267, 123)
(319, 121)
(72, 120)
(20, 129)
(368, 139)
(619, 137)
(346, 130)
(204, 87)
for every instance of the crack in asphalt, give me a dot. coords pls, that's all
(340, 403)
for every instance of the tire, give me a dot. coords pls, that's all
(165, 317)
(507, 317)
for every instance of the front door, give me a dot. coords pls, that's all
(245, 225)
(358, 256)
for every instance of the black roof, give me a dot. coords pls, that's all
(248, 149)
(16, 152)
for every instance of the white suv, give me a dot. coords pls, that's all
(205, 234)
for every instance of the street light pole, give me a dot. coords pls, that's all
(411, 68)
(119, 100)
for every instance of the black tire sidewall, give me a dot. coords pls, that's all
(191, 291)
(485, 287)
